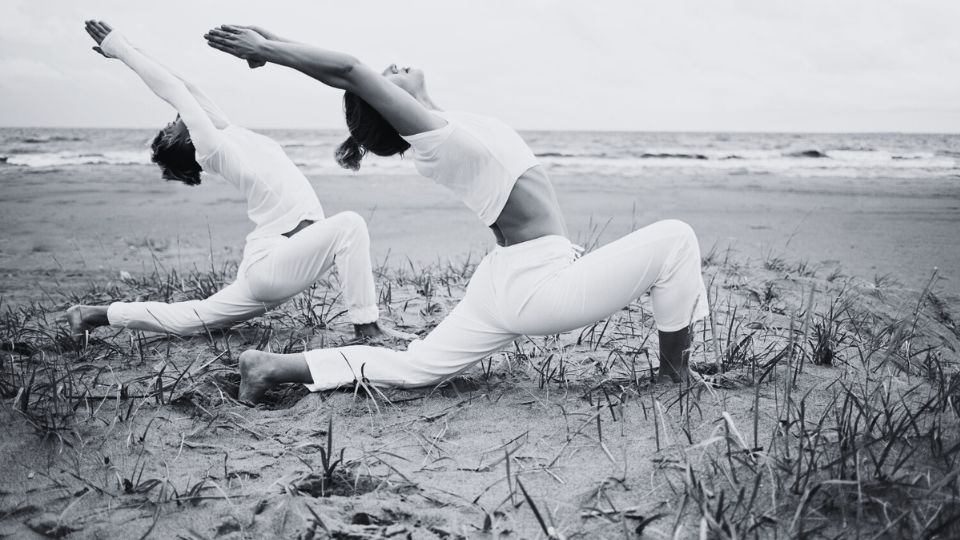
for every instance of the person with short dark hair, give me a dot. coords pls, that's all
(292, 243)
(535, 282)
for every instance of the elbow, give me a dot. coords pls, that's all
(347, 68)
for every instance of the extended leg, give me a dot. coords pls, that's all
(228, 306)
(468, 335)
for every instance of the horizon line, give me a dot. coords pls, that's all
(568, 130)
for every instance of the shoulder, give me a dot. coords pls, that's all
(217, 148)
(426, 140)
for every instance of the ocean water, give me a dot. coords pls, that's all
(933, 157)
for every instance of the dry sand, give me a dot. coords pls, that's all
(139, 434)
(142, 434)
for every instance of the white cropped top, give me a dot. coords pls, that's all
(479, 158)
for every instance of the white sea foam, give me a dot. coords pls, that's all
(61, 159)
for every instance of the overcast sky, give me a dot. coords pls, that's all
(712, 65)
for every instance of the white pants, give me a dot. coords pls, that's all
(274, 272)
(539, 287)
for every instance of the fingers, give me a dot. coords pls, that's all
(101, 29)
(220, 42)
(94, 34)
(216, 39)
(231, 28)
(98, 30)
(220, 35)
(225, 48)
(219, 46)
(91, 29)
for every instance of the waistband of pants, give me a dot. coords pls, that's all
(551, 243)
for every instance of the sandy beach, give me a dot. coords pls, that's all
(558, 437)
(81, 224)
(816, 287)
(811, 391)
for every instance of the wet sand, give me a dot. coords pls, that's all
(68, 227)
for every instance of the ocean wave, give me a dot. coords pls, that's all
(669, 155)
(816, 154)
(60, 159)
(614, 154)
(847, 165)
(914, 155)
(302, 144)
(798, 157)
(571, 154)
(52, 138)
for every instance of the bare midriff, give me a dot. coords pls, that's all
(531, 211)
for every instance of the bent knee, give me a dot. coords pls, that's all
(677, 227)
(681, 230)
(350, 220)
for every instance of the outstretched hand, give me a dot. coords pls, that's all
(242, 42)
(98, 30)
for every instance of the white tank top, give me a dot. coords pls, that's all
(479, 158)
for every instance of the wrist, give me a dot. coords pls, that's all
(269, 51)
(113, 43)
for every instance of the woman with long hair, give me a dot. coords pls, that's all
(535, 282)
(292, 243)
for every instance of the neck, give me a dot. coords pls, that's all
(426, 100)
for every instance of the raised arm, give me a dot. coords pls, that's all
(166, 85)
(407, 115)
(216, 115)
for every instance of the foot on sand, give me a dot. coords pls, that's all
(374, 330)
(83, 319)
(254, 375)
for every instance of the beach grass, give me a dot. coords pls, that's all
(824, 406)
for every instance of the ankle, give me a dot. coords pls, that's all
(675, 352)
(370, 329)
(255, 363)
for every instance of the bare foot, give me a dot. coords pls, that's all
(254, 375)
(374, 330)
(83, 319)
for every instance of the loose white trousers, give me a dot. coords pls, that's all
(539, 287)
(277, 269)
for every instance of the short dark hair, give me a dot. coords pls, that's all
(176, 156)
(369, 132)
